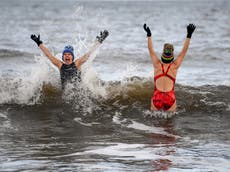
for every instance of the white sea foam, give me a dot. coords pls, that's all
(139, 126)
(160, 114)
(5, 123)
(91, 79)
(21, 89)
(228, 109)
(123, 151)
(79, 120)
(209, 157)
(3, 116)
(127, 151)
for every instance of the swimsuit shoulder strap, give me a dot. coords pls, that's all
(164, 73)
(160, 75)
(168, 69)
(162, 68)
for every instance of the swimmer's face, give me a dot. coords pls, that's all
(68, 58)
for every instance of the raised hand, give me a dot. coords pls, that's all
(102, 36)
(190, 30)
(146, 28)
(36, 39)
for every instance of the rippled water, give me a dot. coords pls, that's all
(105, 123)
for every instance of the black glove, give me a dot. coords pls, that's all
(190, 30)
(36, 39)
(147, 30)
(102, 36)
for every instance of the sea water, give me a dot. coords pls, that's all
(104, 123)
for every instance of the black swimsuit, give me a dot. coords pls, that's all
(69, 74)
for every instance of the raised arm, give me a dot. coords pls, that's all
(53, 59)
(45, 50)
(180, 58)
(86, 56)
(152, 53)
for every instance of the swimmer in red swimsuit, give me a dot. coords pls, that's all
(163, 99)
(165, 71)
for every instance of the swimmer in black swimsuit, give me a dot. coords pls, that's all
(69, 69)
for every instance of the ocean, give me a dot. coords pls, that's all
(104, 124)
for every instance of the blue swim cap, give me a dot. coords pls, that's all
(68, 49)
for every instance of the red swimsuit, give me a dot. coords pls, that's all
(163, 100)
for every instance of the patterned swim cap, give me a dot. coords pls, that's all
(167, 55)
